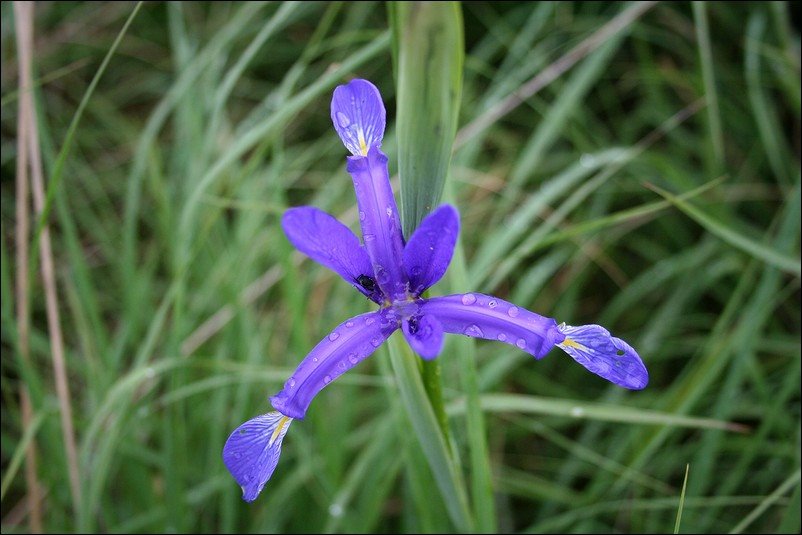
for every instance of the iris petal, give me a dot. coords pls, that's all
(251, 452)
(611, 358)
(358, 114)
(484, 316)
(380, 222)
(428, 252)
(339, 351)
(424, 334)
(328, 242)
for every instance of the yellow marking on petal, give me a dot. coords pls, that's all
(285, 420)
(570, 343)
(363, 146)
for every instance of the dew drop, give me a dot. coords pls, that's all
(327, 379)
(521, 343)
(333, 336)
(369, 237)
(349, 323)
(342, 365)
(353, 358)
(362, 215)
(370, 320)
(502, 337)
(314, 359)
(512, 312)
(343, 119)
(376, 342)
(492, 303)
(416, 271)
(237, 455)
(291, 382)
(468, 299)
(473, 330)
(389, 211)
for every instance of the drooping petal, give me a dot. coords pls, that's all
(424, 334)
(357, 112)
(430, 248)
(378, 216)
(251, 452)
(611, 358)
(484, 316)
(342, 349)
(327, 241)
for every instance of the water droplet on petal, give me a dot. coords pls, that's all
(353, 358)
(370, 320)
(349, 323)
(314, 359)
(473, 330)
(327, 379)
(333, 336)
(342, 365)
(291, 382)
(376, 342)
(369, 237)
(501, 337)
(468, 299)
(389, 211)
(521, 343)
(343, 119)
(362, 215)
(492, 303)
(512, 311)
(416, 271)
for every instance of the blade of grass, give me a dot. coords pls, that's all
(681, 499)
(770, 500)
(424, 423)
(736, 239)
(591, 411)
(23, 16)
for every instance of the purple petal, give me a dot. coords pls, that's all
(611, 358)
(330, 243)
(378, 216)
(358, 115)
(424, 334)
(491, 318)
(341, 349)
(251, 452)
(428, 252)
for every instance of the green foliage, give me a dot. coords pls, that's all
(653, 187)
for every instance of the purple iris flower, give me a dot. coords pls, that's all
(394, 273)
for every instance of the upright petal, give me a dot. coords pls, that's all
(491, 318)
(357, 112)
(424, 335)
(378, 216)
(428, 252)
(611, 358)
(251, 452)
(330, 243)
(342, 349)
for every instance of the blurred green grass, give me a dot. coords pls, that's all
(183, 306)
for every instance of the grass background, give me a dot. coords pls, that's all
(653, 188)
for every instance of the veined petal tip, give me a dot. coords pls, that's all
(251, 452)
(609, 357)
(358, 115)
